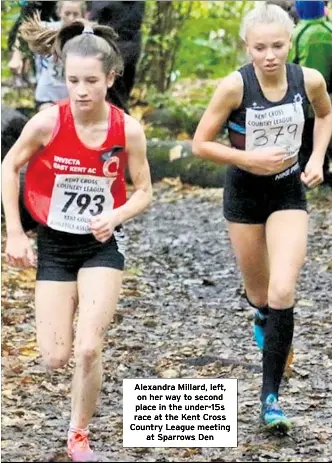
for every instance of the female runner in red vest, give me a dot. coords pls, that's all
(76, 152)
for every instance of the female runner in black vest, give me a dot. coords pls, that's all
(264, 105)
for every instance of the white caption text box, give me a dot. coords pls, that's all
(180, 413)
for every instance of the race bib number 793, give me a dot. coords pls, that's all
(76, 199)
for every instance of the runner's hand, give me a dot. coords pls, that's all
(102, 227)
(19, 251)
(313, 173)
(265, 161)
(16, 64)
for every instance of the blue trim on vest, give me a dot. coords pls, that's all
(236, 127)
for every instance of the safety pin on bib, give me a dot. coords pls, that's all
(116, 149)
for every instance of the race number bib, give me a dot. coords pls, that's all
(281, 126)
(76, 199)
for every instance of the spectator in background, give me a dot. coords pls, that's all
(288, 6)
(51, 86)
(48, 12)
(312, 47)
(125, 17)
(326, 9)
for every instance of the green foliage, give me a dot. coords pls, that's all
(9, 14)
(210, 44)
(178, 111)
(163, 21)
(191, 39)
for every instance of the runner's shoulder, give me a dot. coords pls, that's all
(230, 90)
(42, 125)
(313, 78)
(133, 129)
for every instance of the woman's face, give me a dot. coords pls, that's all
(70, 11)
(268, 46)
(86, 82)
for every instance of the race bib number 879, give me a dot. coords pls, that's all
(76, 199)
(281, 126)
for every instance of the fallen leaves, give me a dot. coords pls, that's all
(29, 350)
(180, 315)
(171, 373)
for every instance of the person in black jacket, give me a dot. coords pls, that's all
(126, 18)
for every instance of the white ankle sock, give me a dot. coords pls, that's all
(76, 429)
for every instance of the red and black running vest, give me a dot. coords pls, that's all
(67, 183)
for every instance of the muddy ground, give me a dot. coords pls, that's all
(181, 315)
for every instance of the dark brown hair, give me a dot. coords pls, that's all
(79, 38)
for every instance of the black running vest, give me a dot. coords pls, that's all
(260, 123)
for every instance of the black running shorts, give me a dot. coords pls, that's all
(61, 255)
(251, 199)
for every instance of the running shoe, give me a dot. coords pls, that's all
(272, 417)
(78, 446)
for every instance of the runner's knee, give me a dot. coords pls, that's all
(55, 359)
(87, 355)
(281, 294)
(256, 299)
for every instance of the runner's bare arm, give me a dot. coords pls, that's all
(36, 134)
(321, 103)
(139, 171)
(226, 98)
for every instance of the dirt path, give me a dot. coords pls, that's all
(181, 315)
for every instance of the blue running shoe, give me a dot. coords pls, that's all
(272, 417)
(259, 328)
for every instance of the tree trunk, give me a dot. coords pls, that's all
(159, 52)
(175, 159)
